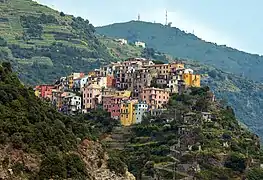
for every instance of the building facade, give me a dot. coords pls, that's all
(140, 109)
(156, 98)
(91, 96)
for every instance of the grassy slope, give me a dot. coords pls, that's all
(243, 94)
(60, 49)
(185, 45)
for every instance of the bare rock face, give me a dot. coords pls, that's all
(95, 159)
(12, 159)
(91, 152)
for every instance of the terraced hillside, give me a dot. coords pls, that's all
(44, 44)
(187, 143)
(232, 74)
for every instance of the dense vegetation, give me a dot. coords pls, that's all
(218, 149)
(233, 73)
(43, 44)
(31, 126)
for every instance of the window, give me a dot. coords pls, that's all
(127, 116)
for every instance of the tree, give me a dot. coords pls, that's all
(62, 14)
(2, 42)
(236, 162)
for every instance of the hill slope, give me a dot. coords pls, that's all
(221, 64)
(175, 42)
(43, 44)
(37, 142)
(182, 143)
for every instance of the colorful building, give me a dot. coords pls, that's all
(126, 113)
(72, 77)
(110, 81)
(83, 82)
(140, 109)
(44, 91)
(191, 79)
(56, 99)
(112, 104)
(91, 96)
(72, 102)
(156, 98)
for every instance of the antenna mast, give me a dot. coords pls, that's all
(166, 18)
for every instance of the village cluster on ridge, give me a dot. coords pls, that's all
(127, 90)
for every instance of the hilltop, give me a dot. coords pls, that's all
(44, 44)
(230, 73)
(175, 42)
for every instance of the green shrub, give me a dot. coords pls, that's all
(117, 165)
(52, 166)
(2, 42)
(75, 167)
(255, 174)
(62, 14)
(236, 162)
(18, 168)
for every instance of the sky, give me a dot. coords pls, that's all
(235, 23)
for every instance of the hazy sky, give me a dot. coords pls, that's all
(236, 23)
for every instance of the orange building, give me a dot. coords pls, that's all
(110, 81)
(192, 79)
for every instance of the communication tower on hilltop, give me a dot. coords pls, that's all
(139, 17)
(166, 18)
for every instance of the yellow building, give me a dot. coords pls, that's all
(124, 93)
(192, 79)
(72, 77)
(126, 114)
(37, 93)
(92, 73)
(70, 81)
(177, 65)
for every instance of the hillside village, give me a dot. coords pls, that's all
(128, 90)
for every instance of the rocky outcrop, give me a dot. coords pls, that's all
(14, 162)
(95, 159)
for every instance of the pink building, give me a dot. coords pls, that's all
(113, 105)
(91, 96)
(156, 98)
(45, 90)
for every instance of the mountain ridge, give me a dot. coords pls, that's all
(173, 41)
